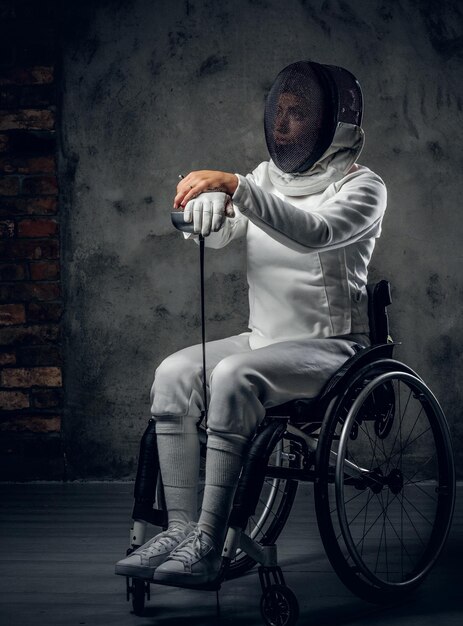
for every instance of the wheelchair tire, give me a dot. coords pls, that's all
(138, 595)
(279, 606)
(384, 495)
(275, 503)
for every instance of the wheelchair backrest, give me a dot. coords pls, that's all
(379, 298)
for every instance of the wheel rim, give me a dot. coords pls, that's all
(394, 514)
(275, 608)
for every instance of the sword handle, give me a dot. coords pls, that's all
(179, 222)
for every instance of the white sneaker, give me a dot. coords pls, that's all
(194, 562)
(143, 561)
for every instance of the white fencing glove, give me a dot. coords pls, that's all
(208, 211)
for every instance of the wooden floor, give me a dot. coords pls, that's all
(59, 543)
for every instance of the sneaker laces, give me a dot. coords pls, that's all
(190, 548)
(164, 540)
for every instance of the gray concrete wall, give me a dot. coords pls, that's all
(152, 88)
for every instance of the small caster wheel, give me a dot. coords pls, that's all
(279, 606)
(140, 589)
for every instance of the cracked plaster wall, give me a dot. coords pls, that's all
(155, 88)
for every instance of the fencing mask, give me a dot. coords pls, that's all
(304, 108)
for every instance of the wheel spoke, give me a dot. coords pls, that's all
(399, 395)
(364, 526)
(376, 519)
(410, 433)
(385, 530)
(407, 445)
(364, 430)
(358, 513)
(373, 456)
(420, 467)
(414, 527)
(422, 490)
(400, 539)
(383, 512)
(369, 497)
(278, 488)
(266, 507)
(381, 538)
(418, 511)
(416, 438)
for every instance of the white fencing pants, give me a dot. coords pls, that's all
(242, 383)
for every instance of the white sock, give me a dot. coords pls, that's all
(178, 449)
(223, 467)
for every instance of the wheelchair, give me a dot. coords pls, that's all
(376, 446)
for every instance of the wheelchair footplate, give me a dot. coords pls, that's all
(138, 589)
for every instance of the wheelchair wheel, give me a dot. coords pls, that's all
(279, 606)
(385, 486)
(140, 590)
(275, 502)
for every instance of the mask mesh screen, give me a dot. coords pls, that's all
(298, 118)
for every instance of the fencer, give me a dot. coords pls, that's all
(310, 216)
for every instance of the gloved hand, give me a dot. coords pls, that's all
(208, 211)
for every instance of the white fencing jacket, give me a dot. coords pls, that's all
(307, 255)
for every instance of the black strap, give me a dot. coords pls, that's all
(203, 325)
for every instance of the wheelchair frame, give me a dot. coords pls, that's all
(321, 437)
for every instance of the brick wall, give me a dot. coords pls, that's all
(31, 304)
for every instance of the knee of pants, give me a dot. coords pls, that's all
(177, 387)
(236, 406)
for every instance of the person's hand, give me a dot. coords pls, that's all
(204, 180)
(208, 211)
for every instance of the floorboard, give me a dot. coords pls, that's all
(59, 543)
